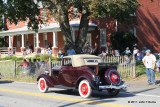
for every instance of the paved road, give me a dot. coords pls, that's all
(18, 94)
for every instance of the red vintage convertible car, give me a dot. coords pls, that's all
(85, 73)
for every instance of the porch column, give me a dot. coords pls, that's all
(37, 38)
(22, 48)
(55, 46)
(54, 40)
(37, 43)
(73, 36)
(10, 41)
(10, 44)
(22, 41)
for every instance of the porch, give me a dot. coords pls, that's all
(22, 38)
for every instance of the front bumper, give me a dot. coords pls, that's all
(113, 87)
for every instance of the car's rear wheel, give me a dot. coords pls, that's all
(113, 92)
(42, 85)
(84, 89)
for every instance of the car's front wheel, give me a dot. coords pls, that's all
(42, 85)
(84, 89)
(113, 92)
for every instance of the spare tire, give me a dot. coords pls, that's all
(112, 76)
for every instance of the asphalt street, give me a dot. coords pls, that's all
(21, 94)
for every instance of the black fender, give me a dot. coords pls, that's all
(49, 80)
(89, 79)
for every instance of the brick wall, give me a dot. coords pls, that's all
(148, 29)
(50, 38)
(41, 39)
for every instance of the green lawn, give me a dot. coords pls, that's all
(141, 70)
(7, 70)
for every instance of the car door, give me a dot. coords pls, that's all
(66, 75)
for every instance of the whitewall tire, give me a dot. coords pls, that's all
(84, 89)
(42, 85)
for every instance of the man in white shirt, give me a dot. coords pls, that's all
(150, 62)
(135, 51)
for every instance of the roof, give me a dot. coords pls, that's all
(84, 59)
(51, 27)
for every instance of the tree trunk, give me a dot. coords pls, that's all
(83, 29)
(65, 28)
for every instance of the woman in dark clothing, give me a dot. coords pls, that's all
(95, 51)
(31, 48)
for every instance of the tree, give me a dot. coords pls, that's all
(121, 40)
(19, 10)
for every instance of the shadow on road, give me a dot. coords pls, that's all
(99, 97)
(5, 81)
(158, 82)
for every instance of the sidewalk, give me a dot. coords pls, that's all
(141, 87)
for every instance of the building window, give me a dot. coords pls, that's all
(26, 38)
(75, 13)
(103, 37)
(133, 30)
(45, 40)
(18, 41)
(44, 15)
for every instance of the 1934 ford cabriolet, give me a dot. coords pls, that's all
(85, 73)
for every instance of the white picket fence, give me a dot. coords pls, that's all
(126, 65)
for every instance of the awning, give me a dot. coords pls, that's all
(51, 27)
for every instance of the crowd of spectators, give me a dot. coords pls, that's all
(35, 67)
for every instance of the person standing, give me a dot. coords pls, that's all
(31, 48)
(71, 51)
(127, 51)
(95, 51)
(87, 49)
(149, 61)
(49, 51)
(158, 63)
(135, 51)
